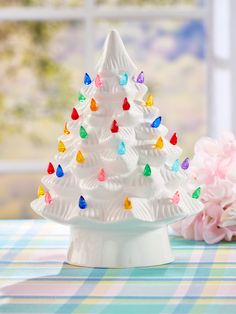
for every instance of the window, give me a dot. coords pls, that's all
(45, 51)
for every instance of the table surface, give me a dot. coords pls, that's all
(35, 279)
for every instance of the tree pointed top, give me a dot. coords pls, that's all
(115, 57)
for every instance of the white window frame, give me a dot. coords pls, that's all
(89, 13)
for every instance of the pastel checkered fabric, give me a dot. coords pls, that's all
(35, 279)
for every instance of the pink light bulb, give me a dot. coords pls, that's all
(101, 175)
(98, 81)
(48, 198)
(175, 199)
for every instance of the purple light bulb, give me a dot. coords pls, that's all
(185, 164)
(140, 78)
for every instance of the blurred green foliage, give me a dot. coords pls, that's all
(26, 60)
(34, 84)
(28, 51)
(57, 3)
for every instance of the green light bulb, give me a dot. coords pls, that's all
(196, 193)
(147, 171)
(81, 97)
(83, 133)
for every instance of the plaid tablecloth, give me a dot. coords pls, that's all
(35, 279)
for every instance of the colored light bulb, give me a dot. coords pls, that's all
(80, 157)
(127, 203)
(126, 104)
(176, 165)
(59, 172)
(50, 169)
(74, 114)
(174, 139)
(102, 175)
(196, 193)
(87, 79)
(81, 98)
(123, 79)
(147, 171)
(176, 198)
(93, 105)
(98, 81)
(82, 202)
(140, 78)
(48, 198)
(66, 131)
(83, 133)
(149, 101)
(155, 124)
(114, 127)
(61, 147)
(185, 164)
(40, 191)
(159, 143)
(121, 148)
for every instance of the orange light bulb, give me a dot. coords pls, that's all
(66, 131)
(159, 143)
(93, 105)
(127, 203)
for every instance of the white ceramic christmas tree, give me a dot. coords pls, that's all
(117, 180)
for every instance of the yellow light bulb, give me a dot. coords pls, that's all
(66, 131)
(93, 105)
(159, 143)
(61, 147)
(80, 157)
(40, 191)
(149, 101)
(127, 203)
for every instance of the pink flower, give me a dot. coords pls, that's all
(214, 169)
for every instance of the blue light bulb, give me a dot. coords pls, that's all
(121, 148)
(59, 172)
(87, 79)
(82, 203)
(176, 165)
(155, 124)
(124, 79)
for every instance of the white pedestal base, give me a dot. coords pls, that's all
(118, 249)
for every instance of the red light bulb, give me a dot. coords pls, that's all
(174, 139)
(126, 104)
(50, 169)
(114, 127)
(74, 114)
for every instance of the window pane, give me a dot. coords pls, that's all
(172, 55)
(56, 3)
(16, 193)
(41, 68)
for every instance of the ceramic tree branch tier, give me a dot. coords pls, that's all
(117, 179)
